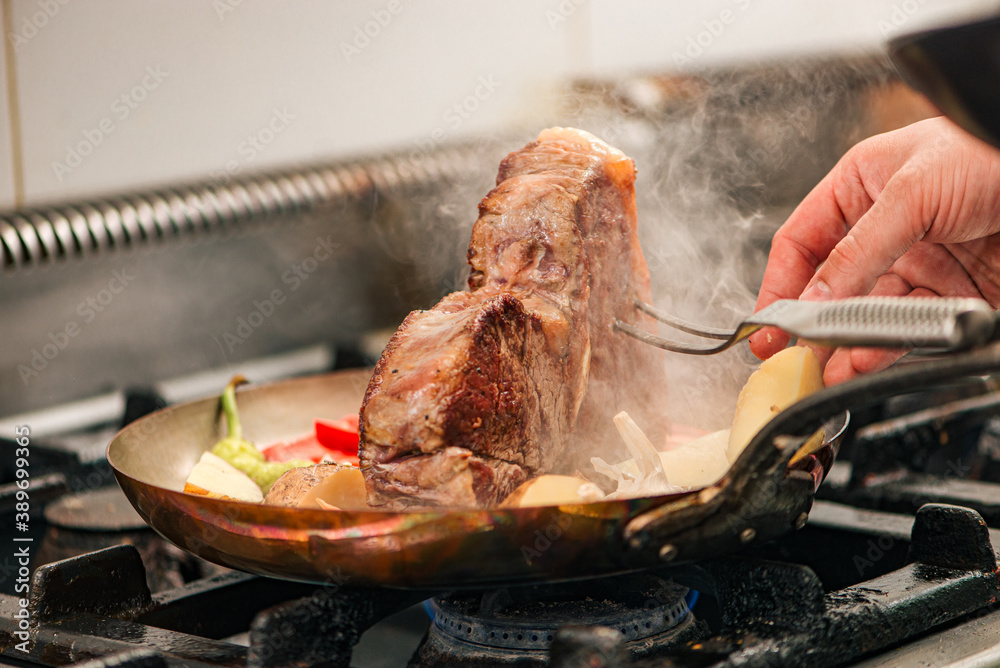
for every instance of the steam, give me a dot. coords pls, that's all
(722, 159)
(650, 479)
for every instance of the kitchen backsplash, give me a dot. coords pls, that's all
(104, 96)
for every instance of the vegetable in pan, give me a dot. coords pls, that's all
(236, 469)
(780, 381)
(331, 440)
(241, 453)
(215, 477)
(333, 480)
(324, 486)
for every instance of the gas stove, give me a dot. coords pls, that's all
(896, 566)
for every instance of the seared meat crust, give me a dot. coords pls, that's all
(495, 385)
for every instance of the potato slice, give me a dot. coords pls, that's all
(213, 476)
(326, 486)
(788, 376)
(780, 381)
(293, 484)
(343, 489)
(698, 463)
(553, 490)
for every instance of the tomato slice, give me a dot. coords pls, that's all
(307, 447)
(339, 435)
(332, 439)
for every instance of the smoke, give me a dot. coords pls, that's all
(424, 232)
(722, 158)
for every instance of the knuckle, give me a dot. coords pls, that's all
(867, 150)
(848, 257)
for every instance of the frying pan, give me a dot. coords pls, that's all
(761, 497)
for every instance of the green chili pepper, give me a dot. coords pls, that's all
(240, 452)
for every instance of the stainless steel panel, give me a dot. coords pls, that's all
(151, 286)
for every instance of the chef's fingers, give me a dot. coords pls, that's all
(934, 267)
(821, 223)
(820, 252)
(768, 341)
(926, 270)
(848, 363)
(889, 229)
(979, 259)
(797, 250)
(826, 219)
(869, 360)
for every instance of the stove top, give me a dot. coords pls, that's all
(897, 553)
(853, 586)
(876, 576)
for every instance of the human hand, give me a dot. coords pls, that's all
(910, 212)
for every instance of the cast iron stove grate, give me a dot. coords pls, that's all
(98, 608)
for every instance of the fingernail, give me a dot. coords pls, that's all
(817, 292)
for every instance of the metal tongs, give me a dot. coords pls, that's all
(940, 323)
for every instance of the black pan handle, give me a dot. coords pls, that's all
(760, 498)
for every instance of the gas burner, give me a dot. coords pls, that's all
(777, 608)
(101, 510)
(90, 521)
(517, 625)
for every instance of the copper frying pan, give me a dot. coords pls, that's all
(761, 498)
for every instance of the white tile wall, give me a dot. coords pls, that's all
(171, 90)
(117, 95)
(650, 34)
(7, 199)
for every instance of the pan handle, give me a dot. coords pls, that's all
(759, 490)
